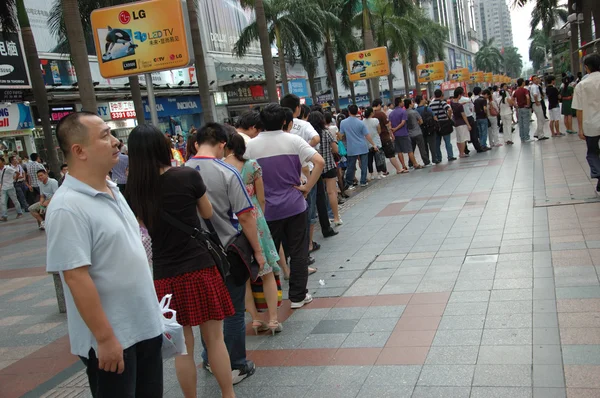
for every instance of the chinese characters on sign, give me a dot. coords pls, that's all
(122, 110)
(246, 94)
(13, 69)
(368, 64)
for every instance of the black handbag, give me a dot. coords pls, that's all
(389, 149)
(209, 240)
(446, 127)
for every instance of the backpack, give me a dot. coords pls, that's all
(430, 126)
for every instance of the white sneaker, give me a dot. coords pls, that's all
(338, 223)
(300, 304)
(378, 176)
(382, 175)
(43, 226)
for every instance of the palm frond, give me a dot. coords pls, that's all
(8, 16)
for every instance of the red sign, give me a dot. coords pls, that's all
(122, 110)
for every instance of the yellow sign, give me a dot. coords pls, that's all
(459, 75)
(368, 64)
(431, 72)
(498, 78)
(476, 77)
(141, 37)
(488, 77)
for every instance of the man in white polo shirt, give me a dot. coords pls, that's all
(94, 242)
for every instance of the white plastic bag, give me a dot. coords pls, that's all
(173, 338)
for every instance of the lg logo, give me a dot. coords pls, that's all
(124, 17)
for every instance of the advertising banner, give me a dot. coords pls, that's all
(431, 72)
(38, 12)
(121, 110)
(368, 64)
(237, 94)
(298, 87)
(488, 77)
(141, 37)
(174, 106)
(477, 77)
(459, 75)
(497, 78)
(13, 68)
(15, 117)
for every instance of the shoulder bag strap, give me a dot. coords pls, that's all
(212, 230)
(186, 229)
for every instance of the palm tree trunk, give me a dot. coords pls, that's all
(369, 43)
(265, 49)
(79, 55)
(330, 66)
(200, 62)
(310, 70)
(574, 44)
(415, 61)
(37, 86)
(391, 87)
(136, 96)
(282, 69)
(586, 26)
(405, 74)
(352, 92)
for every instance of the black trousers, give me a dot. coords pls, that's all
(371, 160)
(419, 141)
(474, 134)
(544, 108)
(293, 230)
(430, 145)
(322, 206)
(142, 378)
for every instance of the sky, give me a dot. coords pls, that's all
(520, 18)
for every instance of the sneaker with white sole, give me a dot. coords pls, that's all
(238, 375)
(300, 304)
(43, 226)
(338, 223)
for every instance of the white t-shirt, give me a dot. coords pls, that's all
(467, 105)
(7, 175)
(372, 124)
(587, 99)
(304, 130)
(333, 130)
(505, 108)
(534, 90)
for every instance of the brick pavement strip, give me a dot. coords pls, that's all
(470, 279)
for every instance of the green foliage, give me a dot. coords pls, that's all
(489, 58)
(513, 62)
(539, 48)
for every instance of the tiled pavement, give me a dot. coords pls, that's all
(472, 279)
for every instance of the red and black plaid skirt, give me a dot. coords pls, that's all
(198, 296)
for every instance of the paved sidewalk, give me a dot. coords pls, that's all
(477, 278)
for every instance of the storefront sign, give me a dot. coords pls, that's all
(325, 98)
(459, 75)
(368, 64)
(141, 37)
(476, 77)
(19, 145)
(13, 68)
(103, 111)
(121, 110)
(431, 72)
(121, 124)
(445, 86)
(246, 94)
(298, 87)
(220, 98)
(11, 95)
(15, 117)
(174, 106)
(38, 12)
(58, 112)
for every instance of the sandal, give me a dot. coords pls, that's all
(315, 246)
(312, 270)
(404, 171)
(259, 326)
(275, 327)
(418, 167)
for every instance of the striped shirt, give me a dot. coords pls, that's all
(32, 170)
(119, 171)
(439, 109)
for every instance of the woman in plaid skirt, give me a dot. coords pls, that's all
(182, 266)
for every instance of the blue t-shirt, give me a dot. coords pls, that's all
(396, 117)
(355, 131)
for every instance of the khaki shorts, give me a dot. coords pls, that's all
(37, 208)
(462, 134)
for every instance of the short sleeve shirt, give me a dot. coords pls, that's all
(32, 170)
(414, 129)
(372, 124)
(587, 99)
(355, 131)
(325, 150)
(304, 130)
(89, 228)
(480, 104)
(467, 106)
(534, 90)
(49, 188)
(280, 155)
(7, 175)
(173, 251)
(396, 117)
(457, 111)
(439, 109)
(552, 94)
(226, 192)
(520, 95)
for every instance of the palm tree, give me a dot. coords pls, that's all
(513, 62)
(56, 23)
(290, 27)
(548, 14)
(430, 38)
(200, 63)
(265, 46)
(13, 16)
(489, 58)
(79, 54)
(333, 37)
(349, 9)
(539, 49)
